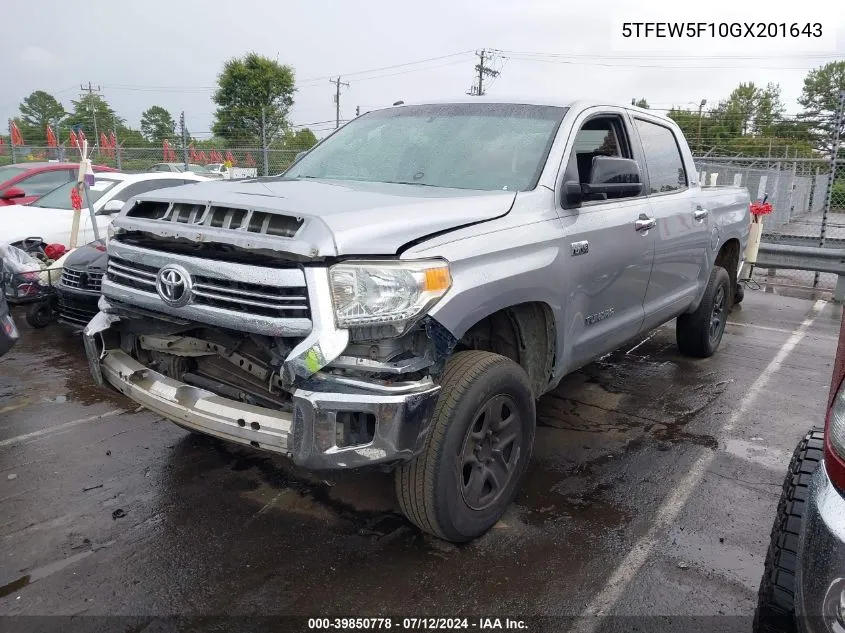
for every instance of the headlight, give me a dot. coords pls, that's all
(375, 293)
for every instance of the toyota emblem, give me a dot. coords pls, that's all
(174, 286)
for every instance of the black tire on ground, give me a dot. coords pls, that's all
(699, 333)
(39, 315)
(739, 293)
(476, 452)
(775, 611)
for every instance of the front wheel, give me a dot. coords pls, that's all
(699, 333)
(477, 450)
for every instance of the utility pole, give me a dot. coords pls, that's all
(91, 90)
(184, 131)
(477, 90)
(338, 83)
(700, 110)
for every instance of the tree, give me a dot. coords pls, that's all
(246, 87)
(769, 110)
(39, 110)
(157, 124)
(89, 107)
(639, 103)
(820, 100)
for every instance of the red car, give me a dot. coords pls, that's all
(26, 182)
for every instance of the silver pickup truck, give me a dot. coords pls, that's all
(404, 293)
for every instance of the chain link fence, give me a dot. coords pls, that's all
(798, 191)
(140, 159)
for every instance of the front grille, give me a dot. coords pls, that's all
(82, 280)
(76, 311)
(223, 217)
(234, 296)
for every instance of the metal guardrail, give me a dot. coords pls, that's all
(825, 260)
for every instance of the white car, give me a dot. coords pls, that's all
(51, 216)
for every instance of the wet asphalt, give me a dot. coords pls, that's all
(106, 509)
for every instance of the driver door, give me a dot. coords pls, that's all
(609, 255)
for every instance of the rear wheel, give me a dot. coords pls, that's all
(477, 449)
(776, 600)
(699, 333)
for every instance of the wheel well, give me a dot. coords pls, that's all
(525, 333)
(728, 258)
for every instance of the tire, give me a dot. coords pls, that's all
(450, 490)
(699, 333)
(739, 294)
(39, 315)
(775, 611)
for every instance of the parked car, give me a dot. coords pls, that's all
(220, 170)
(8, 331)
(403, 294)
(803, 585)
(179, 168)
(26, 182)
(80, 284)
(51, 216)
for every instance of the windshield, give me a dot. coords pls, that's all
(7, 173)
(485, 146)
(59, 198)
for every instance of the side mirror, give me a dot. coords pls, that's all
(112, 206)
(614, 175)
(572, 195)
(12, 192)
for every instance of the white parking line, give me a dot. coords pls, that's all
(666, 514)
(781, 330)
(59, 427)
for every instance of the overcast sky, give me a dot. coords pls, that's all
(170, 52)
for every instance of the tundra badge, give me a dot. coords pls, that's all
(580, 248)
(599, 316)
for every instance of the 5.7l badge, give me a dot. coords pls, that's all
(580, 248)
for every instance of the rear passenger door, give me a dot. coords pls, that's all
(682, 233)
(609, 258)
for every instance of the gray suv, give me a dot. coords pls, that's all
(404, 293)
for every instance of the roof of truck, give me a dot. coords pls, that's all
(533, 100)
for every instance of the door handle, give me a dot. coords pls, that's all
(644, 223)
(701, 213)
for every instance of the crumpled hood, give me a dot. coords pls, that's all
(339, 217)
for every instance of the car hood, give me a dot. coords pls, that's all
(337, 217)
(90, 256)
(17, 222)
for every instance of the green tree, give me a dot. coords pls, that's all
(820, 100)
(769, 110)
(87, 109)
(246, 87)
(157, 124)
(39, 110)
(639, 103)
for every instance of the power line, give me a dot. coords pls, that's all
(555, 60)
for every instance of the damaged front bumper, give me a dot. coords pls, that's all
(400, 412)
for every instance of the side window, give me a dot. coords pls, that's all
(138, 188)
(39, 184)
(663, 159)
(599, 136)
